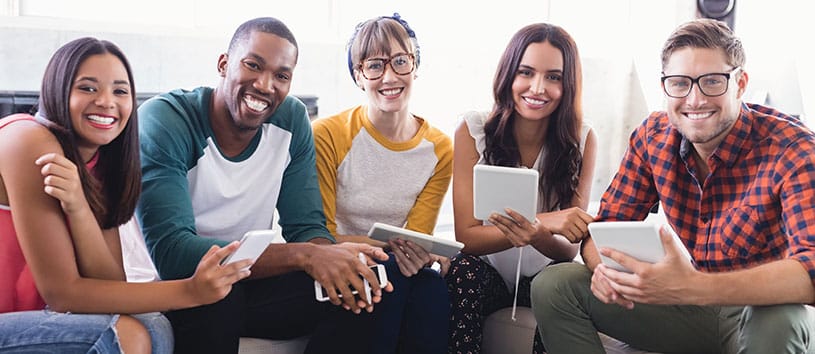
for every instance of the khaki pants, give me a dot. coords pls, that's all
(570, 316)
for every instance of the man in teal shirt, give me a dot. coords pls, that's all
(216, 163)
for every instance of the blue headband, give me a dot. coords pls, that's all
(396, 18)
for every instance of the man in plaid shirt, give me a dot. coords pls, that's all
(737, 183)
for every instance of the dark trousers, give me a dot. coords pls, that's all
(281, 307)
(413, 318)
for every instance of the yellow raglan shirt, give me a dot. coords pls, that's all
(365, 178)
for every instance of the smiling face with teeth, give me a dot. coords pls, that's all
(391, 92)
(100, 102)
(256, 77)
(538, 84)
(704, 120)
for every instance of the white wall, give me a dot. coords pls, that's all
(174, 44)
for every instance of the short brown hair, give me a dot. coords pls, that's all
(373, 37)
(705, 33)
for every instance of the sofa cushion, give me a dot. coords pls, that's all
(502, 335)
(271, 346)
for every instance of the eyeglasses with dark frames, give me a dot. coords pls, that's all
(402, 64)
(711, 85)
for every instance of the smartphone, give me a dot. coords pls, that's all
(253, 243)
(381, 276)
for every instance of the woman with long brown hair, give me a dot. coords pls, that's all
(536, 122)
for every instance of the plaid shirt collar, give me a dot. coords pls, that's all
(730, 148)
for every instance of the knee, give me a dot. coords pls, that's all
(465, 269)
(160, 331)
(559, 278)
(558, 282)
(463, 262)
(777, 327)
(431, 290)
(434, 287)
(400, 282)
(133, 336)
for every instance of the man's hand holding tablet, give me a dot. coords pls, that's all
(639, 240)
(659, 272)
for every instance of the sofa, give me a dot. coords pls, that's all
(502, 335)
(269, 346)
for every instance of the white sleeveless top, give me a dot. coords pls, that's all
(506, 261)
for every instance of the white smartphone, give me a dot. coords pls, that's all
(381, 276)
(252, 246)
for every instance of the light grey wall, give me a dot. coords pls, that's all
(160, 61)
(455, 76)
(176, 45)
(460, 51)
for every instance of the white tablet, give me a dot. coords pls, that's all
(496, 188)
(638, 239)
(434, 245)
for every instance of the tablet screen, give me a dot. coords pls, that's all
(496, 188)
(435, 245)
(637, 239)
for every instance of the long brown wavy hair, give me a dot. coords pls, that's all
(560, 169)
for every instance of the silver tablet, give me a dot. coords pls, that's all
(434, 245)
(496, 188)
(638, 239)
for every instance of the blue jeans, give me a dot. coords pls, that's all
(414, 317)
(46, 331)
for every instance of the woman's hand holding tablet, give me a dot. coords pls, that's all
(434, 245)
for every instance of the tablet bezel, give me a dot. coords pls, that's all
(434, 245)
(638, 239)
(496, 188)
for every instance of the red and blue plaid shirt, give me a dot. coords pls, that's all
(756, 205)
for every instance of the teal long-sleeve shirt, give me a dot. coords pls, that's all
(194, 197)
